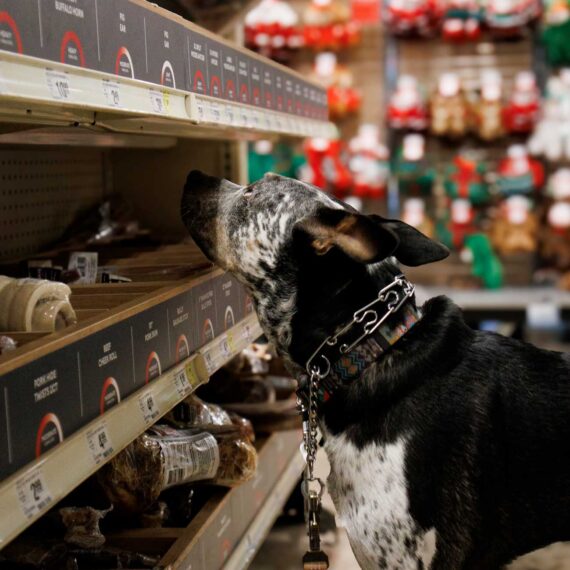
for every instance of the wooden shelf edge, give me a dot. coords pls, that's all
(34, 489)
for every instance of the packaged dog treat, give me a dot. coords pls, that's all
(244, 426)
(164, 457)
(194, 412)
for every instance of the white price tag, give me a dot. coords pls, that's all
(112, 93)
(245, 117)
(33, 493)
(159, 101)
(215, 113)
(225, 347)
(58, 84)
(148, 408)
(543, 315)
(99, 443)
(182, 384)
(229, 115)
(211, 365)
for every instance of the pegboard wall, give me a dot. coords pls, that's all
(41, 193)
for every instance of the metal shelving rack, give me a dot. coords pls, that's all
(83, 121)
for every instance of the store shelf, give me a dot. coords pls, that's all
(32, 491)
(230, 527)
(252, 540)
(514, 301)
(141, 69)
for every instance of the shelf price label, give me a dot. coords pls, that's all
(99, 443)
(229, 115)
(149, 408)
(160, 101)
(58, 84)
(182, 383)
(192, 375)
(112, 93)
(33, 493)
(215, 113)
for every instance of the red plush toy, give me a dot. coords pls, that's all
(518, 173)
(328, 26)
(462, 223)
(407, 108)
(369, 163)
(325, 167)
(461, 21)
(343, 99)
(412, 17)
(272, 29)
(521, 112)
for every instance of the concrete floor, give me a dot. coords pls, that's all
(285, 546)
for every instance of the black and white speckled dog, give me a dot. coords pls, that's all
(451, 451)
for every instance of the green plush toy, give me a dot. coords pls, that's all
(556, 40)
(486, 265)
(465, 178)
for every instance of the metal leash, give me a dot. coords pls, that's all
(314, 558)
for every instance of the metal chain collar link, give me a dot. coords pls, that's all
(394, 300)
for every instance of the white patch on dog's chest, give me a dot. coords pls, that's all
(368, 488)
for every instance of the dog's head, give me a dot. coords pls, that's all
(297, 250)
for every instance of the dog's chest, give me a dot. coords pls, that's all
(368, 488)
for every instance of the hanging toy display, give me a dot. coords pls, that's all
(467, 178)
(521, 112)
(462, 20)
(414, 214)
(413, 171)
(515, 229)
(555, 238)
(558, 186)
(508, 18)
(412, 17)
(260, 159)
(488, 111)
(272, 29)
(407, 108)
(518, 173)
(460, 224)
(343, 99)
(448, 108)
(369, 163)
(552, 133)
(556, 32)
(328, 26)
(325, 167)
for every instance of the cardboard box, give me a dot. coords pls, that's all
(106, 366)
(44, 405)
(198, 64)
(230, 73)
(206, 315)
(20, 27)
(123, 29)
(166, 49)
(69, 32)
(152, 350)
(226, 291)
(183, 326)
(221, 538)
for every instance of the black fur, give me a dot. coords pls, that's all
(487, 462)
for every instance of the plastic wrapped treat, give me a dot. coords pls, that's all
(34, 305)
(165, 457)
(194, 412)
(82, 524)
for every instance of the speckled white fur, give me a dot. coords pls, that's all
(368, 488)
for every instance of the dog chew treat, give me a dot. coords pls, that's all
(34, 305)
(165, 457)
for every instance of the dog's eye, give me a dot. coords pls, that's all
(247, 192)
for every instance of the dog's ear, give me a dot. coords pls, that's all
(414, 248)
(355, 234)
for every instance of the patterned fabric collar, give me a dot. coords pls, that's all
(350, 366)
(342, 358)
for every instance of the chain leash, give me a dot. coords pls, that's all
(311, 486)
